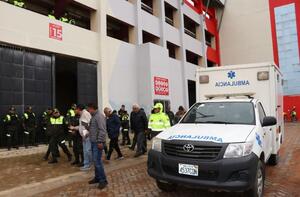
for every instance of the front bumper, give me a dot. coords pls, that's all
(236, 174)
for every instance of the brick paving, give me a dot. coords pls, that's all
(129, 177)
(282, 180)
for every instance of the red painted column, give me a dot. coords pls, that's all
(213, 55)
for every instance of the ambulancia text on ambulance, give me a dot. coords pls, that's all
(226, 139)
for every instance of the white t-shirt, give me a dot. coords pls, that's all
(84, 122)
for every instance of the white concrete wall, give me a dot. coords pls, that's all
(245, 34)
(125, 70)
(150, 23)
(28, 29)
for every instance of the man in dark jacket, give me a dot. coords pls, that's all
(11, 126)
(29, 126)
(139, 125)
(113, 125)
(171, 115)
(56, 133)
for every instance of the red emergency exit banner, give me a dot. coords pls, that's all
(55, 31)
(161, 86)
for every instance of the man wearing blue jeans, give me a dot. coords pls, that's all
(83, 128)
(87, 154)
(97, 136)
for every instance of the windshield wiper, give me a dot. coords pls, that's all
(204, 115)
(216, 122)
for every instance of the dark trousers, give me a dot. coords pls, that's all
(125, 136)
(134, 141)
(12, 138)
(141, 142)
(114, 145)
(78, 148)
(29, 136)
(56, 141)
(52, 148)
(62, 143)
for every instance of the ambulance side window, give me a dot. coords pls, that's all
(261, 112)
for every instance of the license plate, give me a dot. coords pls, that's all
(187, 169)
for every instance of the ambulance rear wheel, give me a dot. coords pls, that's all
(166, 187)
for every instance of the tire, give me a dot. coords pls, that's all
(273, 160)
(166, 187)
(258, 188)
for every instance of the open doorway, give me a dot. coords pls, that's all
(65, 82)
(192, 92)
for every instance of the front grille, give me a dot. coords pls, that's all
(205, 152)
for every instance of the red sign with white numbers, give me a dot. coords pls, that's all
(161, 86)
(55, 31)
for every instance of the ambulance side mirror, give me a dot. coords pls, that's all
(269, 121)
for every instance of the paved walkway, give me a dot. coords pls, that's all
(129, 177)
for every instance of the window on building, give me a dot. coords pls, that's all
(210, 64)
(190, 27)
(74, 13)
(169, 13)
(118, 29)
(209, 39)
(193, 58)
(147, 37)
(147, 5)
(173, 50)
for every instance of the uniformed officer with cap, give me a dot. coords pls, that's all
(11, 128)
(29, 127)
(57, 137)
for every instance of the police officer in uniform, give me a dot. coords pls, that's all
(125, 128)
(158, 121)
(29, 127)
(45, 129)
(11, 128)
(56, 131)
(71, 120)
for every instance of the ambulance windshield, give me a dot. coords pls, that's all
(221, 113)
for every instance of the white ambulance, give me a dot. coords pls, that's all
(225, 140)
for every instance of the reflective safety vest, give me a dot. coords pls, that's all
(57, 121)
(71, 113)
(125, 117)
(19, 3)
(26, 116)
(51, 16)
(64, 19)
(8, 117)
(158, 122)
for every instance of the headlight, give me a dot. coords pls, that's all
(156, 144)
(238, 150)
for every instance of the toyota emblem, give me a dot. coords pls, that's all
(188, 148)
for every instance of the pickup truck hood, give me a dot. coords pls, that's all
(218, 133)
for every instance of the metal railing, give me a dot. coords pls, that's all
(147, 8)
(170, 21)
(190, 33)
